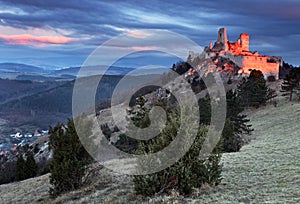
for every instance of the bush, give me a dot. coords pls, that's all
(187, 173)
(18, 170)
(7, 171)
(69, 163)
(36, 149)
(271, 78)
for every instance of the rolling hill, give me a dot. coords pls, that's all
(33, 73)
(22, 68)
(15, 89)
(43, 107)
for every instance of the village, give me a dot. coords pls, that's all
(13, 141)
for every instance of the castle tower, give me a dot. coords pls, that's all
(244, 41)
(222, 38)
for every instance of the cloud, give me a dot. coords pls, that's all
(92, 22)
(143, 48)
(26, 39)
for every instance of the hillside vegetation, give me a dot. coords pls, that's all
(267, 170)
(31, 105)
(16, 89)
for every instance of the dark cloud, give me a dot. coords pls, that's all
(31, 5)
(267, 21)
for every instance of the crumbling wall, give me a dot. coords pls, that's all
(238, 52)
(244, 40)
(260, 63)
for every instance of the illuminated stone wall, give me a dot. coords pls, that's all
(238, 52)
(244, 39)
(260, 63)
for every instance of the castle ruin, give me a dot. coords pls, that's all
(238, 53)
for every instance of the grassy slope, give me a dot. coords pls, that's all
(267, 170)
(31, 190)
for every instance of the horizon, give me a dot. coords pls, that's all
(58, 34)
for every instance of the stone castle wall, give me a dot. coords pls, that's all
(238, 52)
(244, 39)
(260, 63)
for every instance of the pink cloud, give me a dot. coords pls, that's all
(34, 40)
(144, 48)
(138, 33)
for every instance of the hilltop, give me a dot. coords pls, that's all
(236, 56)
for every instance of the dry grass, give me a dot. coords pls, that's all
(267, 170)
(34, 190)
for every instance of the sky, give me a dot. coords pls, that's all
(54, 34)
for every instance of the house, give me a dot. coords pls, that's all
(44, 132)
(18, 135)
(37, 133)
(28, 135)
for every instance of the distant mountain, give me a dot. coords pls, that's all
(43, 78)
(93, 70)
(23, 72)
(22, 68)
(33, 73)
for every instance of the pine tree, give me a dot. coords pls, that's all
(181, 67)
(70, 159)
(231, 142)
(291, 83)
(253, 90)
(234, 116)
(234, 113)
(187, 173)
(205, 110)
(140, 114)
(31, 167)
(20, 168)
